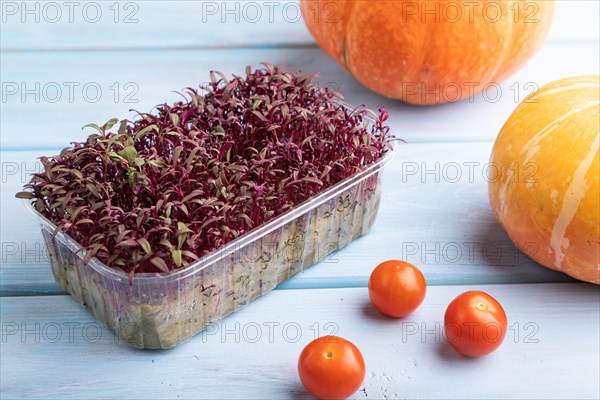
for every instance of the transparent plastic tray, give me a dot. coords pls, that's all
(159, 311)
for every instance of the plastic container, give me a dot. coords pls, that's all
(159, 311)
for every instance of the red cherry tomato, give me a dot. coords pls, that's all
(396, 288)
(475, 324)
(331, 368)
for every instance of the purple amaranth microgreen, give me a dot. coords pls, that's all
(175, 185)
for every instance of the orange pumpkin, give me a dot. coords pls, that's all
(545, 189)
(428, 52)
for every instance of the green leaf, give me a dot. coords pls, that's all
(177, 257)
(94, 126)
(146, 129)
(139, 161)
(182, 231)
(176, 153)
(183, 228)
(145, 245)
(132, 178)
(129, 153)
(219, 131)
(115, 156)
(158, 163)
(160, 264)
(109, 124)
(122, 127)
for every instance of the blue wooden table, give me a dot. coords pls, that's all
(59, 74)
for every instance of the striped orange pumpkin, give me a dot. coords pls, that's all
(545, 189)
(428, 52)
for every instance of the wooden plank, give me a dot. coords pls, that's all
(551, 349)
(151, 25)
(434, 213)
(575, 21)
(69, 90)
(201, 24)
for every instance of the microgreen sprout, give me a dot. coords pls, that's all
(174, 185)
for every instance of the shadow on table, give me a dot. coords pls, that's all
(298, 392)
(448, 354)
